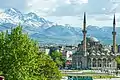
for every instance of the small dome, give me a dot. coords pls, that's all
(108, 53)
(103, 53)
(98, 54)
(93, 51)
(94, 39)
(93, 54)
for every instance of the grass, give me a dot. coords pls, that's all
(71, 70)
(99, 77)
(103, 77)
(94, 76)
(90, 73)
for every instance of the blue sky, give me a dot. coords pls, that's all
(99, 12)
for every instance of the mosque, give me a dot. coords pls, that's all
(91, 54)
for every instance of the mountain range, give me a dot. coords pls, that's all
(47, 32)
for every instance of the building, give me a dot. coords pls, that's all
(91, 54)
(67, 52)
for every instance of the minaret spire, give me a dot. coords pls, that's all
(84, 34)
(114, 35)
(84, 21)
(114, 23)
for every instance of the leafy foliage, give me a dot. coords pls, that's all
(20, 58)
(57, 58)
(118, 59)
(48, 68)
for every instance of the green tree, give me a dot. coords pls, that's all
(57, 58)
(48, 68)
(118, 59)
(20, 58)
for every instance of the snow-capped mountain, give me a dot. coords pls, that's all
(11, 16)
(45, 31)
(15, 17)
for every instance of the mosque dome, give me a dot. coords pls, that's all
(93, 39)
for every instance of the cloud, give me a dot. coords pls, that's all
(72, 7)
(71, 11)
(56, 7)
(64, 7)
(74, 21)
(41, 7)
(74, 2)
(103, 17)
(115, 8)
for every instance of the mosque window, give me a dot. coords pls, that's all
(94, 62)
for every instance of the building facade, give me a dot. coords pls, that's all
(91, 54)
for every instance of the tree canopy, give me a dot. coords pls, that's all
(20, 58)
(118, 59)
(58, 58)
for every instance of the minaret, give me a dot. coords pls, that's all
(114, 35)
(84, 34)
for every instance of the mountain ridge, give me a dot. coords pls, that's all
(45, 31)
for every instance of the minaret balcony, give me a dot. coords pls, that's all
(84, 31)
(114, 33)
